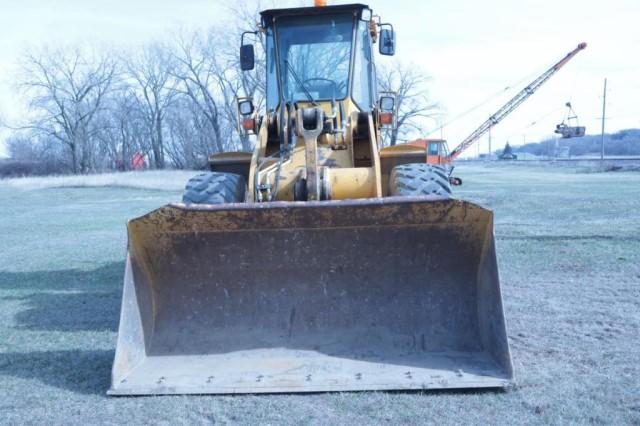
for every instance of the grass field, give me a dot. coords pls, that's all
(569, 254)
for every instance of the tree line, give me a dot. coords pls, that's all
(171, 101)
(623, 142)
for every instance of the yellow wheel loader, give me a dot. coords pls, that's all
(321, 261)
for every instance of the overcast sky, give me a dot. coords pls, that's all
(471, 49)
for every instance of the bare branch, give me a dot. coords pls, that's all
(413, 102)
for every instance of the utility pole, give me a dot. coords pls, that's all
(604, 108)
(489, 144)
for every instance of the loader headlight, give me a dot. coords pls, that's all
(245, 115)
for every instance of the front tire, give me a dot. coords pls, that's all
(215, 188)
(420, 179)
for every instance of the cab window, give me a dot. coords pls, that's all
(433, 148)
(363, 68)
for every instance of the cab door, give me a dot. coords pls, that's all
(434, 152)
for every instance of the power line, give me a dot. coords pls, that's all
(485, 101)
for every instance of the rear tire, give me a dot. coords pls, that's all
(215, 188)
(419, 179)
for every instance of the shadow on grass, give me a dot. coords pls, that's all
(85, 372)
(67, 300)
(85, 311)
(105, 277)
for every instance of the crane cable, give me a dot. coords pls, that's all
(490, 98)
(570, 97)
(482, 103)
(533, 123)
(555, 110)
(569, 104)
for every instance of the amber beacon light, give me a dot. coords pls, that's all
(320, 3)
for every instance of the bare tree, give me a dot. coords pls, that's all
(33, 153)
(413, 102)
(67, 90)
(174, 102)
(201, 73)
(124, 130)
(190, 133)
(22, 146)
(234, 83)
(152, 71)
(209, 72)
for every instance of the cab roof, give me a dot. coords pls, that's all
(269, 15)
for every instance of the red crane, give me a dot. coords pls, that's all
(437, 152)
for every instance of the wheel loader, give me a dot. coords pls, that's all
(321, 261)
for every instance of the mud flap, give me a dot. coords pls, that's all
(377, 294)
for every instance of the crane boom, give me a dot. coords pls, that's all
(513, 103)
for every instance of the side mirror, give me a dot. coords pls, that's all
(387, 103)
(247, 57)
(387, 110)
(246, 119)
(387, 42)
(247, 54)
(366, 15)
(245, 106)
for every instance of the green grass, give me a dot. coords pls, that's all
(569, 254)
(151, 179)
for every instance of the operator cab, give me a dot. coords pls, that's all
(320, 57)
(313, 54)
(437, 150)
(320, 54)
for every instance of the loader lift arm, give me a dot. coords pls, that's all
(513, 103)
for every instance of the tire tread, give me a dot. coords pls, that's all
(419, 179)
(214, 188)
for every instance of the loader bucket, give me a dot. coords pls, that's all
(377, 294)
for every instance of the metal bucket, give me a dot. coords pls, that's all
(376, 294)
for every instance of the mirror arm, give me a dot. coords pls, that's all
(245, 33)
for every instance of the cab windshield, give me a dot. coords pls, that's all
(315, 54)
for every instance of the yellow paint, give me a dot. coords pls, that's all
(352, 183)
(342, 174)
